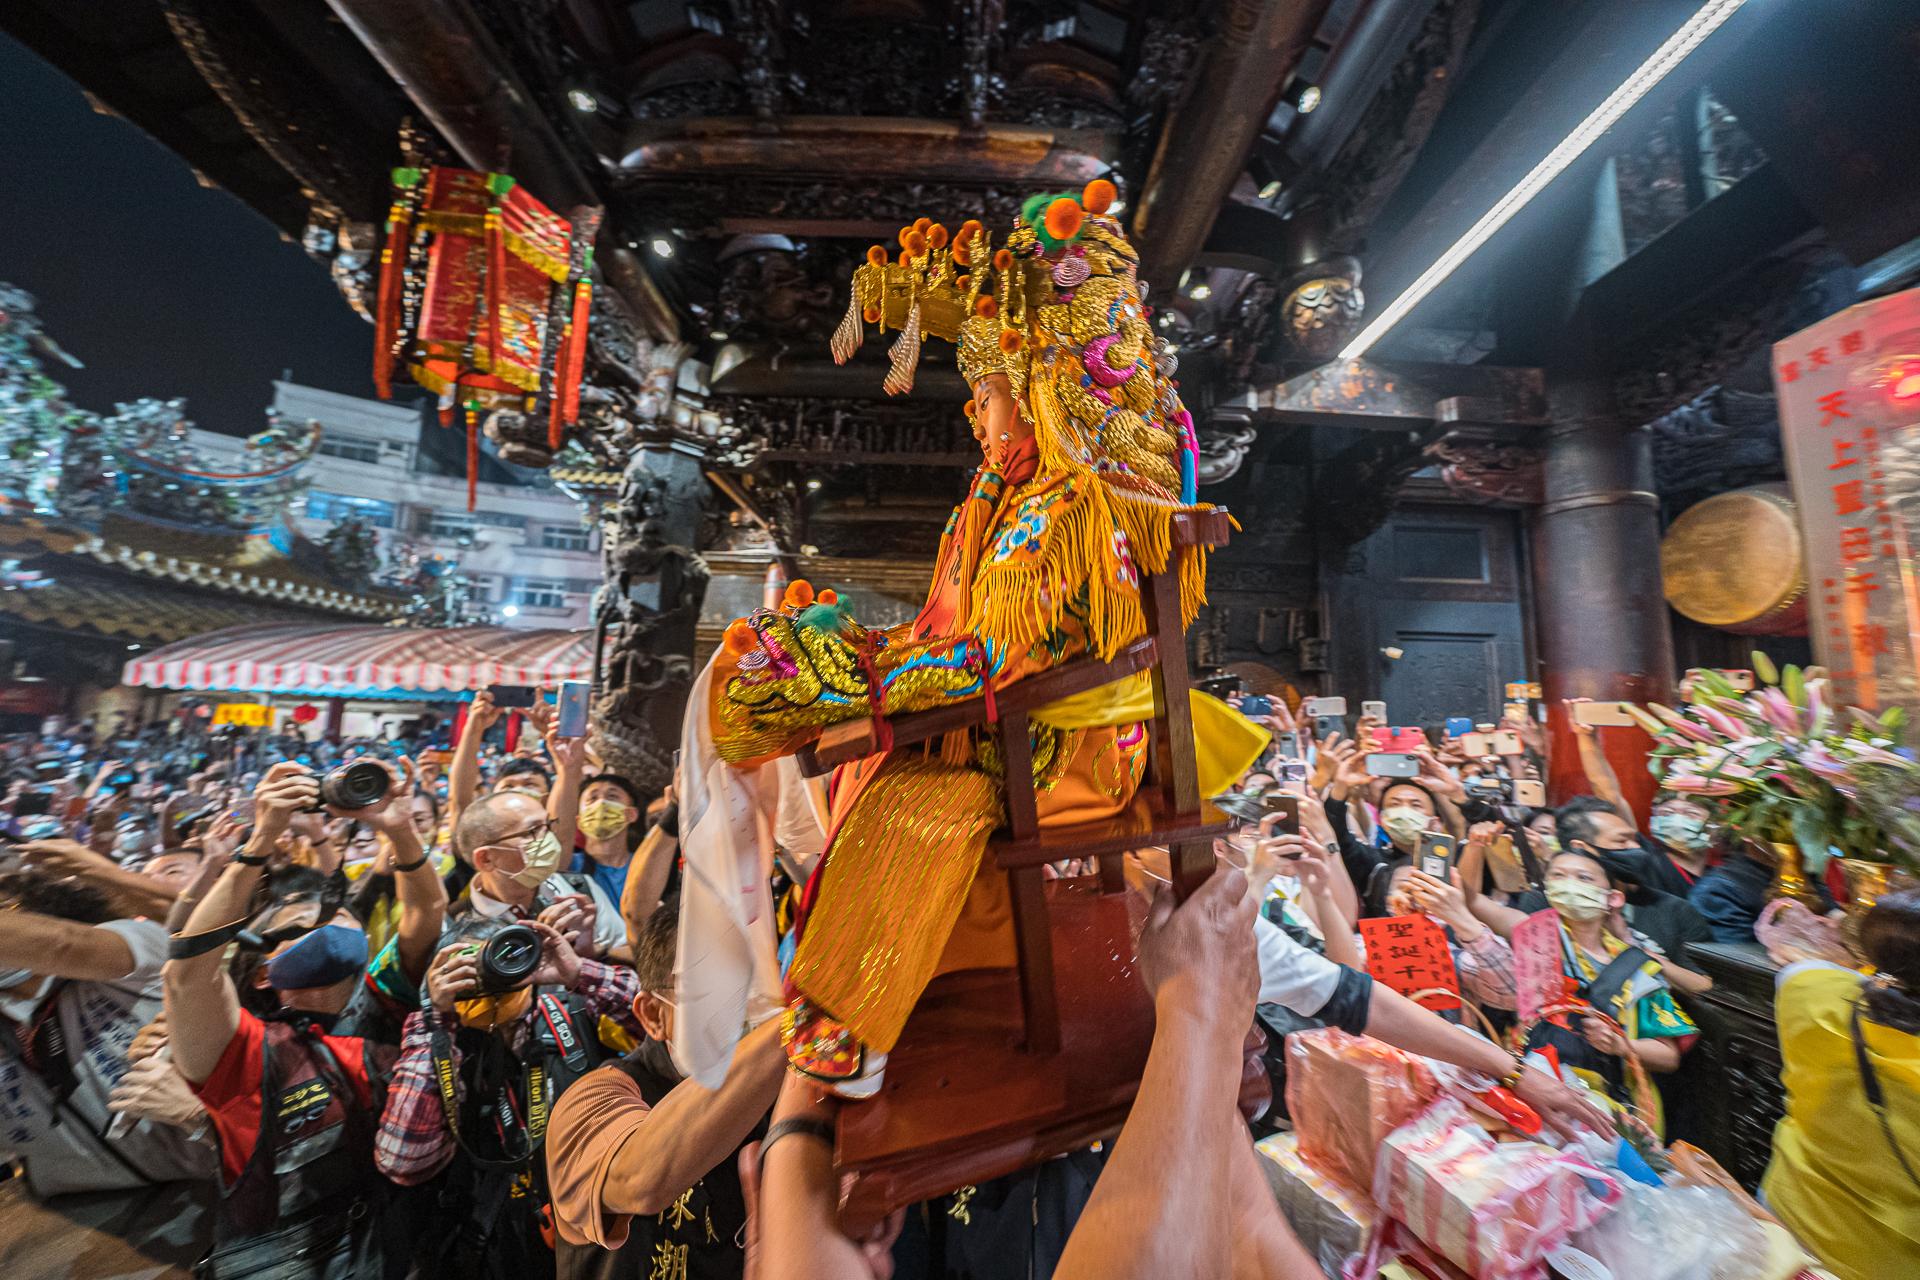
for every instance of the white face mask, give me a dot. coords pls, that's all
(540, 859)
(1403, 823)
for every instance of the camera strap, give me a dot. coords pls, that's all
(558, 1034)
(332, 898)
(185, 946)
(530, 1129)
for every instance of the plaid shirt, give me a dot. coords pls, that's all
(1485, 967)
(414, 1142)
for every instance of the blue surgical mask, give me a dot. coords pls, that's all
(321, 958)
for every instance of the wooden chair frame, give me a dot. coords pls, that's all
(1168, 810)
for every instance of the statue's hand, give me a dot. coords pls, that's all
(792, 673)
(798, 672)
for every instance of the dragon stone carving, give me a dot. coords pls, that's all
(645, 616)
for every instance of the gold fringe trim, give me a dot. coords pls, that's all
(527, 380)
(548, 261)
(1017, 606)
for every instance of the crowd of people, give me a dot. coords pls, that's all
(272, 1006)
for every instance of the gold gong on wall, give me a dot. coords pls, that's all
(1738, 562)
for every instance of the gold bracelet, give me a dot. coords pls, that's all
(1511, 1080)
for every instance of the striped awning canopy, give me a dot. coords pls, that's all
(319, 660)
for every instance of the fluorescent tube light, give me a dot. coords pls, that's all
(1636, 86)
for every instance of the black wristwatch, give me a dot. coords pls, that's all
(415, 865)
(811, 1126)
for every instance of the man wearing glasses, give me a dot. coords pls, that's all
(516, 859)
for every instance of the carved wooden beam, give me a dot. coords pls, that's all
(1203, 148)
(1401, 396)
(878, 151)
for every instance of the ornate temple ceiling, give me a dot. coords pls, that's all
(763, 143)
(747, 151)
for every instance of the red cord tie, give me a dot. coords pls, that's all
(977, 663)
(876, 701)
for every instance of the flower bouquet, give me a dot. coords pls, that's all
(1789, 768)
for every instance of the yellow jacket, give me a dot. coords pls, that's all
(1834, 1181)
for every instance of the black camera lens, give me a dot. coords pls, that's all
(355, 786)
(509, 958)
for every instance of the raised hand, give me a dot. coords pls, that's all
(559, 962)
(1444, 780)
(575, 916)
(481, 713)
(287, 790)
(453, 976)
(1199, 956)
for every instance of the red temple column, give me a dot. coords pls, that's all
(1602, 617)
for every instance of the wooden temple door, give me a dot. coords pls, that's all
(1443, 586)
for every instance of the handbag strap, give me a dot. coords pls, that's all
(1876, 1096)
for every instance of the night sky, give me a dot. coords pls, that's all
(163, 287)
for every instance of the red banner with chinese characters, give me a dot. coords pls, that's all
(1410, 954)
(1850, 416)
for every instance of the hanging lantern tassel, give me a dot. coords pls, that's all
(556, 397)
(386, 307)
(473, 456)
(576, 366)
(496, 281)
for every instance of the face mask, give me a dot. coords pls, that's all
(1403, 823)
(1680, 831)
(541, 858)
(603, 819)
(484, 1013)
(1548, 845)
(329, 954)
(1577, 900)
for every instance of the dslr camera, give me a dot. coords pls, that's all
(508, 959)
(358, 784)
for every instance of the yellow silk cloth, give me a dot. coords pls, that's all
(1225, 743)
(895, 879)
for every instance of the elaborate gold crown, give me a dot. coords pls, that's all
(961, 289)
(1058, 310)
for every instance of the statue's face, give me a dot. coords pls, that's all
(997, 422)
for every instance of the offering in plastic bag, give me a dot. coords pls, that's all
(1346, 1094)
(1492, 1209)
(1677, 1232)
(1789, 931)
(1330, 1220)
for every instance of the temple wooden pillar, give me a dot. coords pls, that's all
(1602, 618)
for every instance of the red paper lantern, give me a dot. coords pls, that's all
(483, 299)
(305, 713)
